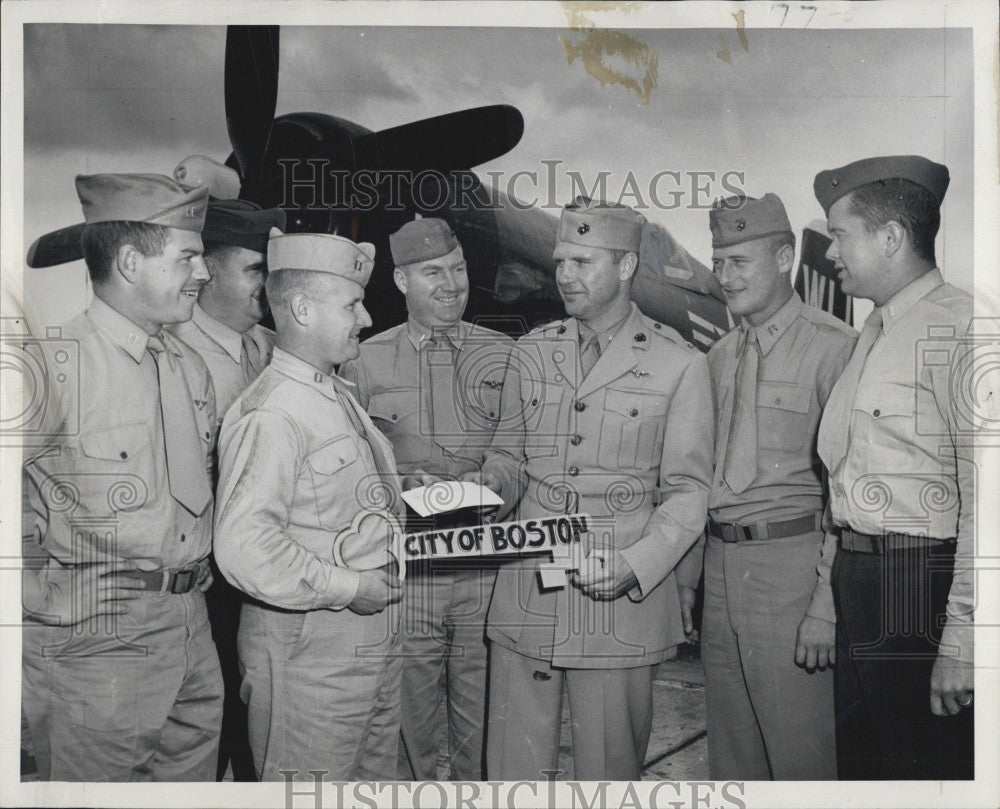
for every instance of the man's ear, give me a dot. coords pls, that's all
(127, 261)
(399, 276)
(627, 266)
(785, 258)
(892, 234)
(300, 307)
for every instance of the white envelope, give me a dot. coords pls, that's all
(450, 495)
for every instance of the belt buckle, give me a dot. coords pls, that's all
(746, 535)
(181, 581)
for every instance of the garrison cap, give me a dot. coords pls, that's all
(153, 198)
(594, 223)
(735, 220)
(833, 184)
(321, 252)
(221, 181)
(421, 240)
(241, 223)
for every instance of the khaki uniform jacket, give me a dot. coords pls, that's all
(631, 445)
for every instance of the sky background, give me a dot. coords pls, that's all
(780, 108)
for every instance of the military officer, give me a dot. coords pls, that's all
(226, 332)
(225, 328)
(308, 502)
(902, 480)
(611, 416)
(122, 484)
(432, 385)
(766, 606)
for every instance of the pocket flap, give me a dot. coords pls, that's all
(784, 396)
(635, 404)
(394, 405)
(333, 456)
(116, 444)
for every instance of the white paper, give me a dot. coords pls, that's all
(443, 496)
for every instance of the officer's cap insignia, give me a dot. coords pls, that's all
(584, 228)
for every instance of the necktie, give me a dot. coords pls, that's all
(836, 423)
(590, 354)
(387, 497)
(441, 357)
(250, 360)
(740, 466)
(186, 471)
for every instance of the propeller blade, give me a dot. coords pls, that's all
(458, 140)
(251, 93)
(58, 247)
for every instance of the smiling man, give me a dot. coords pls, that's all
(134, 694)
(308, 502)
(432, 385)
(609, 413)
(768, 604)
(900, 450)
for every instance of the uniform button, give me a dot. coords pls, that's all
(123, 454)
(492, 415)
(534, 402)
(394, 417)
(573, 471)
(633, 412)
(579, 406)
(877, 413)
(183, 537)
(541, 675)
(575, 440)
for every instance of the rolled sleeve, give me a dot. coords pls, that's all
(259, 464)
(685, 479)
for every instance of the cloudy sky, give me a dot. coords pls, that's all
(778, 107)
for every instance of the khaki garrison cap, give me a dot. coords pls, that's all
(593, 223)
(321, 252)
(152, 198)
(833, 184)
(735, 220)
(421, 240)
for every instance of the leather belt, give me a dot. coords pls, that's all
(177, 580)
(736, 532)
(880, 543)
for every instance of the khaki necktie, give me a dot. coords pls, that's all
(186, 453)
(740, 466)
(836, 423)
(385, 468)
(441, 357)
(590, 354)
(250, 359)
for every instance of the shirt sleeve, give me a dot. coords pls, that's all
(685, 479)
(259, 462)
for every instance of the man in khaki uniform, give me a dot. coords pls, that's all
(121, 482)
(226, 332)
(432, 385)
(308, 502)
(611, 416)
(766, 607)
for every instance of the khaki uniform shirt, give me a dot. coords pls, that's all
(444, 430)
(221, 347)
(631, 445)
(97, 478)
(803, 351)
(909, 465)
(295, 477)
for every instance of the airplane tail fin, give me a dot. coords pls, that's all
(816, 280)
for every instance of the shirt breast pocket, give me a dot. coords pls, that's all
(393, 407)
(632, 429)
(328, 468)
(783, 415)
(116, 467)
